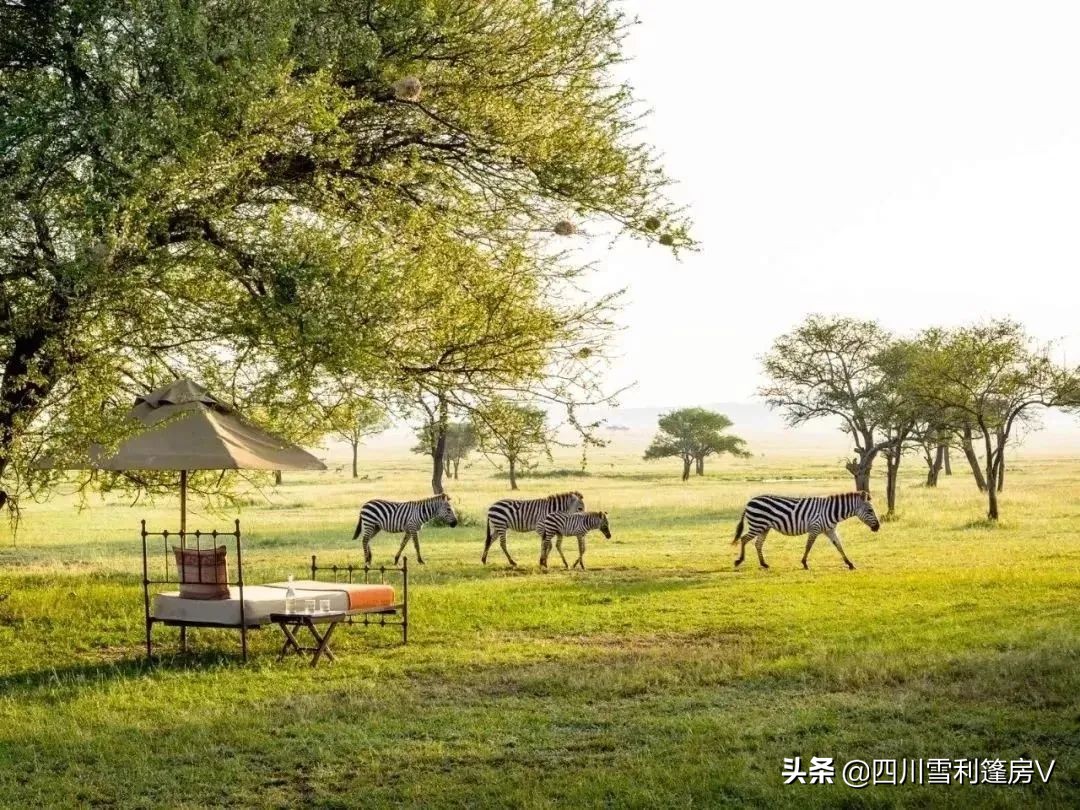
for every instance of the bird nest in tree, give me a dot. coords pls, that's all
(564, 228)
(408, 88)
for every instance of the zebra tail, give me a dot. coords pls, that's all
(359, 526)
(488, 538)
(738, 530)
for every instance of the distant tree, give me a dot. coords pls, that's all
(992, 377)
(514, 432)
(435, 409)
(932, 443)
(693, 434)
(353, 418)
(460, 441)
(829, 367)
(899, 410)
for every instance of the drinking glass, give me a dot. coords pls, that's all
(324, 606)
(309, 605)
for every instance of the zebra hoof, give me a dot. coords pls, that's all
(851, 566)
(765, 566)
(738, 563)
(805, 566)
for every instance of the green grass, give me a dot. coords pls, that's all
(658, 677)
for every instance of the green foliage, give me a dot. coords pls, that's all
(461, 439)
(353, 417)
(514, 432)
(693, 434)
(829, 367)
(992, 375)
(237, 192)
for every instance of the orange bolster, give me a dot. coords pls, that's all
(368, 596)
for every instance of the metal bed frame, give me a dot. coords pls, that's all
(366, 616)
(340, 573)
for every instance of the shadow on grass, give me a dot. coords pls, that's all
(75, 676)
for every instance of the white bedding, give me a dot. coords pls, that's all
(259, 602)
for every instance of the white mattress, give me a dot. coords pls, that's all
(259, 602)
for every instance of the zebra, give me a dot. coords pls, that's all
(576, 524)
(525, 516)
(401, 516)
(812, 516)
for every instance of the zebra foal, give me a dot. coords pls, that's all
(401, 516)
(525, 516)
(576, 524)
(809, 516)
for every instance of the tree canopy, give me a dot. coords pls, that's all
(993, 375)
(460, 440)
(693, 434)
(515, 432)
(298, 191)
(831, 367)
(352, 418)
(939, 387)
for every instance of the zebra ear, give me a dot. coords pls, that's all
(865, 495)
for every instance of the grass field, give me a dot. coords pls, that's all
(658, 677)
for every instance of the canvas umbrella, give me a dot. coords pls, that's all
(186, 429)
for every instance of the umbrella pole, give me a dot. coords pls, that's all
(183, 544)
(183, 507)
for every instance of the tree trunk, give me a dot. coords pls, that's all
(892, 469)
(513, 474)
(935, 463)
(699, 464)
(438, 450)
(992, 462)
(457, 463)
(355, 453)
(860, 471)
(277, 478)
(947, 460)
(973, 460)
(686, 468)
(438, 465)
(992, 514)
(1001, 462)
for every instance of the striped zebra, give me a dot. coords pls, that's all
(810, 516)
(570, 524)
(525, 516)
(401, 516)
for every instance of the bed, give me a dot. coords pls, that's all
(362, 592)
(262, 600)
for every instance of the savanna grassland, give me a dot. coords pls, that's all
(658, 677)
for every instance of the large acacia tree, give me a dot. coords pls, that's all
(833, 367)
(993, 376)
(264, 191)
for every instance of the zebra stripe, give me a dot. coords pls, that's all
(401, 516)
(525, 516)
(810, 516)
(577, 524)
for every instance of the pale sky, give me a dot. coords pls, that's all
(917, 162)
